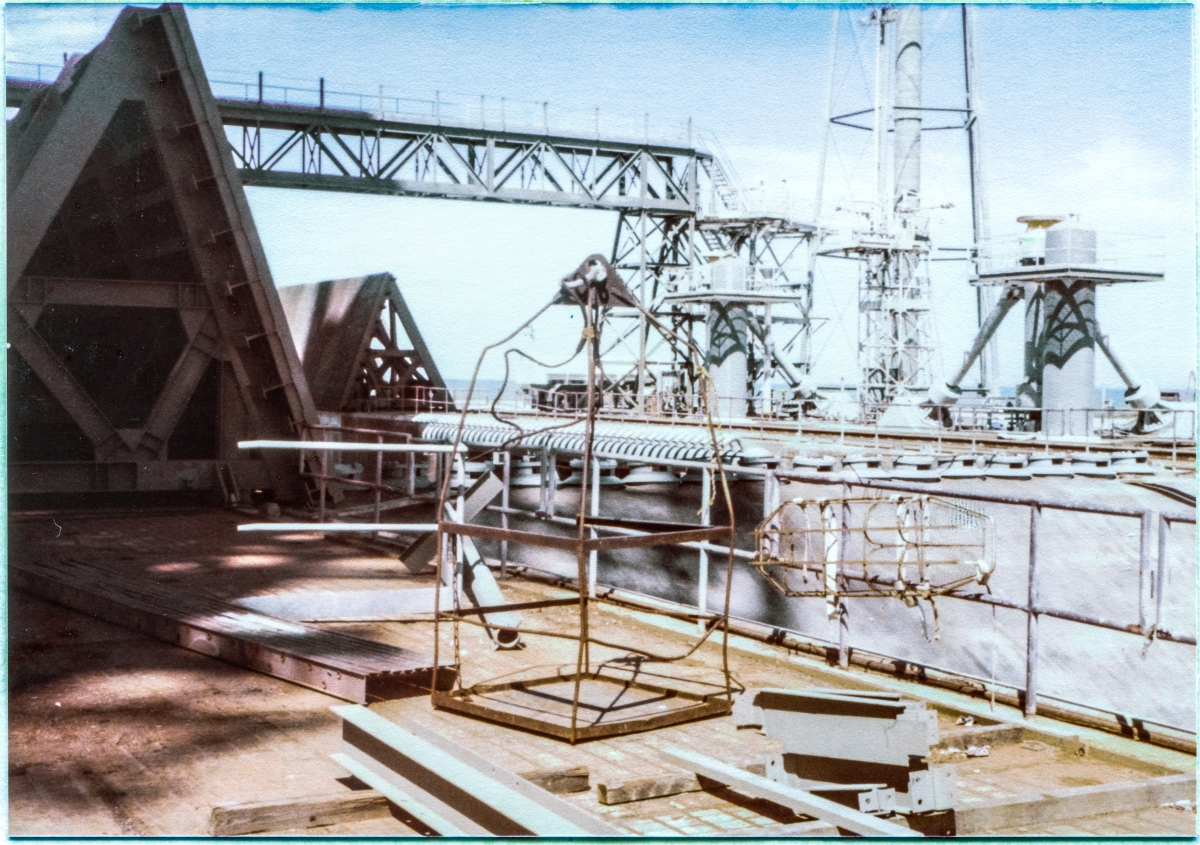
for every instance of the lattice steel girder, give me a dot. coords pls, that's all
(284, 146)
(343, 150)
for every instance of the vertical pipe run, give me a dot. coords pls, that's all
(1031, 638)
(705, 519)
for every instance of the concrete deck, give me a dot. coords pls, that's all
(115, 733)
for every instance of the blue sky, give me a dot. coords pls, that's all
(1086, 109)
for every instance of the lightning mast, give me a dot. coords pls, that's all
(890, 241)
(894, 333)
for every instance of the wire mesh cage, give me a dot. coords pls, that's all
(906, 547)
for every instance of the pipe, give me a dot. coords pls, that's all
(979, 217)
(481, 589)
(948, 394)
(1139, 393)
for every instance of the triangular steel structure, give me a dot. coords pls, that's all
(146, 336)
(360, 346)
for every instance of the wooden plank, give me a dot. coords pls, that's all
(796, 800)
(297, 813)
(329, 661)
(1076, 803)
(564, 780)
(643, 788)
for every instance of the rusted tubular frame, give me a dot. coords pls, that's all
(1056, 504)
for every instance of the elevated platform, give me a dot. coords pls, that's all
(743, 297)
(1063, 273)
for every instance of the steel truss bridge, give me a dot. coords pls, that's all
(675, 203)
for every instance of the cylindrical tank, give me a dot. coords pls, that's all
(1068, 354)
(908, 107)
(728, 350)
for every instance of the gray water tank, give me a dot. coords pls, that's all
(1070, 246)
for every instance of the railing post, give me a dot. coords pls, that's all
(506, 457)
(1031, 639)
(260, 86)
(1144, 568)
(1160, 578)
(410, 485)
(378, 481)
(705, 519)
(324, 475)
(322, 92)
(843, 611)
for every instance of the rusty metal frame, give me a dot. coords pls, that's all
(451, 555)
(702, 707)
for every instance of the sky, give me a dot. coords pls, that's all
(1083, 109)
